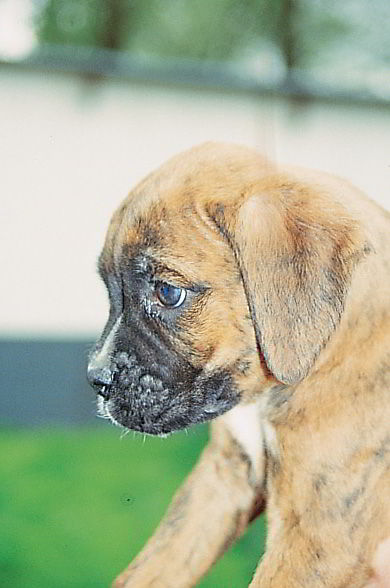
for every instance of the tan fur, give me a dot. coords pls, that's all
(298, 268)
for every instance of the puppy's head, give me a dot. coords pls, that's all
(224, 278)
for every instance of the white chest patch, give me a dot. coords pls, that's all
(249, 426)
(244, 424)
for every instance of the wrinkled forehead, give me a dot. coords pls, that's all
(168, 212)
(178, 236)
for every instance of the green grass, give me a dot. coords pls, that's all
(77, 505)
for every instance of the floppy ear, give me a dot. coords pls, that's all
(296, 249)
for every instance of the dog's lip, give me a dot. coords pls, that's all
(139, 400)
(153, 428)
(163, 419)
(116, 406)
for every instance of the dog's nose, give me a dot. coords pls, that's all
(100, 379)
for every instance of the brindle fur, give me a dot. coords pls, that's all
(292, 312)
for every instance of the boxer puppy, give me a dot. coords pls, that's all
(256, 297)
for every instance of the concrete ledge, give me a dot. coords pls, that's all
(96, 62)
(44, 382)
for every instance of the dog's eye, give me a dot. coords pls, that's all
(170, 296)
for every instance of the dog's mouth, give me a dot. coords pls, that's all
(161, 415)
(143, 402)
(140, 410)
(131, 398)
(121, 415)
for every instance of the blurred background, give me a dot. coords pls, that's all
(93, 95)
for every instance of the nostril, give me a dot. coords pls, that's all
(100, 376)
(101, 380)
(104, 392)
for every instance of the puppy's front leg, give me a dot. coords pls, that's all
(210, 511)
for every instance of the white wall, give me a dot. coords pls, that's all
(70, 151)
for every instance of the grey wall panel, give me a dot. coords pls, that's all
(44, 382)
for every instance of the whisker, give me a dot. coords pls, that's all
(124, 433)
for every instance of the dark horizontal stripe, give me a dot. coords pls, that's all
(105, 63)
(44, 382)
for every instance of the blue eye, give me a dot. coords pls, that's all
(170, 296)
